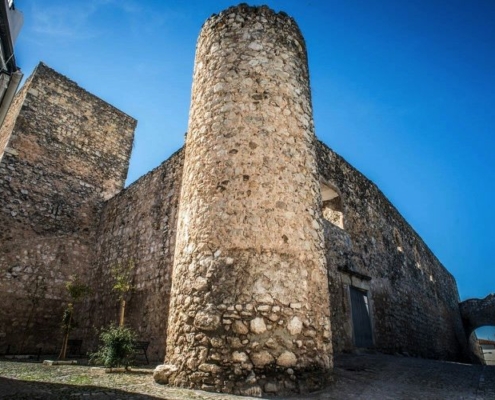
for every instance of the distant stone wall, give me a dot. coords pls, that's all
(139, 224)
(414, 299)
(67, 152)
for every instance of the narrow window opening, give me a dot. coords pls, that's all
(398, 240)
(417, 258)
(332, 206)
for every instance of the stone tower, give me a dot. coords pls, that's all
(63, 153)
(249, 303)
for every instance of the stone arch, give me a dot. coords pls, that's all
(476, 313)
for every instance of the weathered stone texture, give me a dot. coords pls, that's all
(249, 261)
(246, 243)
(67, 153)
(414, 299)
(139, 225)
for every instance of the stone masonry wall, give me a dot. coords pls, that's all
(139, 224)
(258, 273)
(414, 299)
(67, 152)
(249, 304)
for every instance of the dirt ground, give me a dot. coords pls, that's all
(366, 377)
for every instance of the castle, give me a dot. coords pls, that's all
(259, 252)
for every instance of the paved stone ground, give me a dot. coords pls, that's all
(364, 377)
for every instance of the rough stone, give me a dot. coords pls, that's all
(240, 328)
(211, 368)
(257, 325)
(164, 373)
(271, 387)
(287, 359)
(206, 321)
(295, 326)
(239, 356)
(261, 358)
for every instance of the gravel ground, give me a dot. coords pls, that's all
(366, 377)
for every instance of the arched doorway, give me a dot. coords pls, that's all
(478, 315)
(486, 341)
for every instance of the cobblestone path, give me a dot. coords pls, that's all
(357, 377)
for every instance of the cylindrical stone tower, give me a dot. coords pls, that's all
(249, 308)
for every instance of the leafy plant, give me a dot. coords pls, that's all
(76, 291)
(123, 275)
(116, 349)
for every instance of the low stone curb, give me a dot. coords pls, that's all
(59, 362)
(141, 371)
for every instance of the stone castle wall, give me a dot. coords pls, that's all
(67, 152)
(414, 299)
(249, 295)
(260, 264)
(139, 225)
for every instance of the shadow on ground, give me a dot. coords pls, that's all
(30, 390)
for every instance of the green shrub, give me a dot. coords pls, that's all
(116, 349)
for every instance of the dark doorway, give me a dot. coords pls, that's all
(361, 320)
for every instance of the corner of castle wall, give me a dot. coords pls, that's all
(66, 152)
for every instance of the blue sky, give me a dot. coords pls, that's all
(404, 90)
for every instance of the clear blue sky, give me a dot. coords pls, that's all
(404, 90)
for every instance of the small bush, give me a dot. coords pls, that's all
(116, 349)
